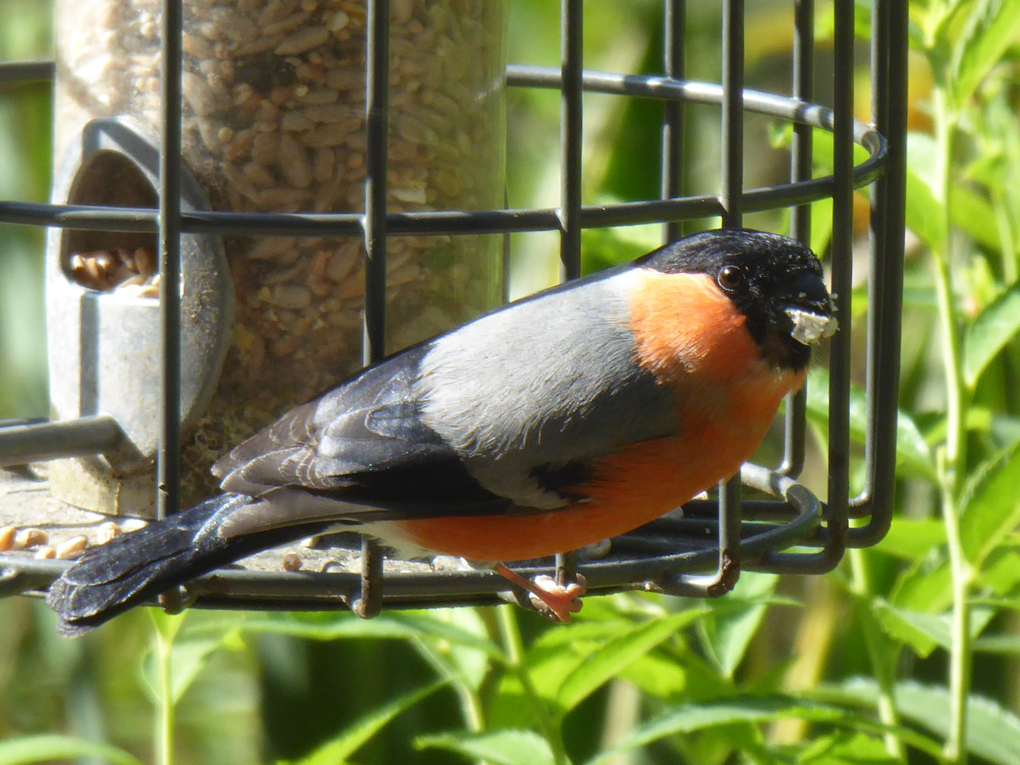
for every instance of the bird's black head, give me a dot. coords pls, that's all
(773, 280)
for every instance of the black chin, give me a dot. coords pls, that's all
(780, 350)
(798, 354)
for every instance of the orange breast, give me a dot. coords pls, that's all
(635, 486)
(690, 336)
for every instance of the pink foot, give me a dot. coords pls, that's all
(556, 601)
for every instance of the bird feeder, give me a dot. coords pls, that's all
(273, 121)
(329, 232)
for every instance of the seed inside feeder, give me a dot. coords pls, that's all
(129, 272)
(273, 121)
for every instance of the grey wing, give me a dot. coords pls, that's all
(505, 414)
(362, 443)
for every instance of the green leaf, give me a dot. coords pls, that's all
(991, 505)
(341, 747)
(558, 653)
(728, 633)
(749, 709)
(975, 215)
(992, 28)
(469, 663)
(927, 585)
(734, 620)
(1004, 645)
(1011, 603)
(990, 332)
(168, 625)
(821, 225)
(659, 676)
(188, 655)
(1004, 429)
(902, 629)
(1001, 571)
(842, 748)
(550, 660)
(924, 211)
(606, 662)
(502, 747)
(919, 290)
(993, 733)
(913, 538)
(825, 22)
(48, 748)
(911, 450)
(742, 709)
(923, 632)
(328, 626)
(187, 659)
(606, 247)
(979, 419)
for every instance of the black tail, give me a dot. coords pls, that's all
(134, 567)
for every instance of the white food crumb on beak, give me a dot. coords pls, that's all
(809, 327)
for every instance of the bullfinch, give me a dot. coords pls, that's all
(557, 421)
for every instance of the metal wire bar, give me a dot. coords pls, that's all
(374, 222)
(803, 90)
(795, 417)
(884, 326)
(571, 141)
(833, 537)
(503, 221)
(377, 84)
(168, 480)
(732, 165)
(877, 233)
(732, 170)
(842, 278)
(21, 444)
(674, 32)
(20, 72)
(571, 138)
(731, 197)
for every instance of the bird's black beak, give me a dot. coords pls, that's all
(810, 310)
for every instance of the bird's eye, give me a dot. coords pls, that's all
(731, 277)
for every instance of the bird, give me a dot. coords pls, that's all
(556, 421)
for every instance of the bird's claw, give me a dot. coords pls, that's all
(555, 600)
(548, 597)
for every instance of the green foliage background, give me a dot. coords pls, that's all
(907, 653)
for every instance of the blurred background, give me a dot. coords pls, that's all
(514, 689)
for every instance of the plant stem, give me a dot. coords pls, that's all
(165, 720)
(514, 647)
(949, 323)
(812, 648)
(961, 656)
(1000, 204)
(956, 449)
(470, 703)
(878, 648)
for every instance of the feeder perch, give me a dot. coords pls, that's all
(103, 326)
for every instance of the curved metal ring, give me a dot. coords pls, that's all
(238, 588)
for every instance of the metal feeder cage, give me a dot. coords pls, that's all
(699, 554)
